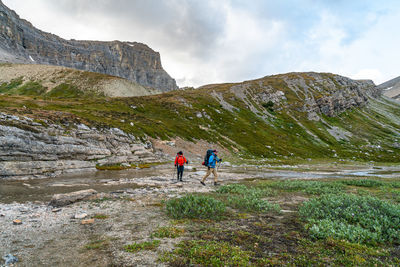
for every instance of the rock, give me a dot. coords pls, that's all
(56, 210)
(60, 200)
(2, 215)
(17, 222)
(80, 216)
(44, 151)
(89, 221)
(23, 43)
(9, 259)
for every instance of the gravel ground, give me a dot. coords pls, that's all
(48, 237)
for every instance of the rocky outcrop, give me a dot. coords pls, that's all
(30, 149)
(20, 42)
(313, 93)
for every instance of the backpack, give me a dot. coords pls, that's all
(207, 157)
(181, 160)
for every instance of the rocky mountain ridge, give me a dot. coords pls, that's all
(21, 42)
(391, 88)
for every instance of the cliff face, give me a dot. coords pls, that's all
(20, 42)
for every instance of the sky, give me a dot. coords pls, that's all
(214, 41)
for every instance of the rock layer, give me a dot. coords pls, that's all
(20, 42)
(29, 149)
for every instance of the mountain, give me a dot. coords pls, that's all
(391, 88)
(282, 118)
(20, 42)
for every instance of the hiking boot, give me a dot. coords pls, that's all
(202, 183)
(216, 184)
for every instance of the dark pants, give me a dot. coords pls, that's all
(180, 172)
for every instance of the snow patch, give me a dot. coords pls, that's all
(31, 58)
(387, 89)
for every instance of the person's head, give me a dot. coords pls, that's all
(180, 153)
(215, 151)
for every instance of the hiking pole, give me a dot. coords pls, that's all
(219, 164)
(173, 176)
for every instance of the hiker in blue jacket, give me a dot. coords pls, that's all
(212, 162)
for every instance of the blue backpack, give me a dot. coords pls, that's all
(207, 157)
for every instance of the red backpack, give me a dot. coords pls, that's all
(181, 160)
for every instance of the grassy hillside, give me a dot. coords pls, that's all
(54, 81)
(241, 117)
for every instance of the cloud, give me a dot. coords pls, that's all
(212, 41)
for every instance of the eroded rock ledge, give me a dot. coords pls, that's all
(32, 149)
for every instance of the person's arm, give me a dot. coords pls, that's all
(176, 160)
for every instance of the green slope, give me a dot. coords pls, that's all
(243, 122)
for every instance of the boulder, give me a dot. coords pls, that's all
(60, 200)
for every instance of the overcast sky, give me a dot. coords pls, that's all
(211, 41)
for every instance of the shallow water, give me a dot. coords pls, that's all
(111, 181)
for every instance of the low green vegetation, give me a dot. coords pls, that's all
(335, 228)
(168, 232)
(65, 90)
(147, 245)
(195, 207)
(241, 197)
(100, 216)
(309, 186)
(7, 87)
(360, 219)
(363, 182)
(207, 253)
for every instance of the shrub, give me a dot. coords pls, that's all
(310, 187)
(363, 182)
(395, 184)
(361, 219)
(244, 190)
(195, 207)
(269, 106)
(148, 245)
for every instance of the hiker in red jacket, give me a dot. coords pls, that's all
(180, 161)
